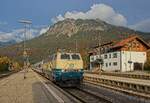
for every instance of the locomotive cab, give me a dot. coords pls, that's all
(68, 69)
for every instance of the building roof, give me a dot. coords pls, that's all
(122, 42)
(131, 38)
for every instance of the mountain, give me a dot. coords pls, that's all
(66, 34)
(3, 44)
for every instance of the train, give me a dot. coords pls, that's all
(63, 68)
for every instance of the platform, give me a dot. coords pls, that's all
(140, 86)
(121, 79)
(33, 89)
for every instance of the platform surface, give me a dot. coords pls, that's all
(16, 89)
(122, 79)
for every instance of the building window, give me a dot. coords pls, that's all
(92, 58)
(105, 56)
(106, 64)
(109, 55)
(109, 64)
(114, 55)
(115, 63)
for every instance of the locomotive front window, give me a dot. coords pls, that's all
(75, 57)
(65, 56)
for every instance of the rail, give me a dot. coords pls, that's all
(86, 97)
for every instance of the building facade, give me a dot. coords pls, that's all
(125, 55)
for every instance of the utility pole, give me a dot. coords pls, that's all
(100, 59)
(76, 46)
(130, 61)
(26, 24)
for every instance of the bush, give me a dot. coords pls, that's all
(4, 67)
(4, 64)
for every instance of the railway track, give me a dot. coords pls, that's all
(85, 96)
(102, 94)
(113, 95)
(79, 95)
(74, 100)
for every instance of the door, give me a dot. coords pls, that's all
(137, 66)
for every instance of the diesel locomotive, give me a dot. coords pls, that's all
(64, 68)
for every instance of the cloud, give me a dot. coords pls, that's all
(4, 37)
(43, 30)
(97, 11)
(142, 26)
(18, 34)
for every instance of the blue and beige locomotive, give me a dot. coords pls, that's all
(65, 69)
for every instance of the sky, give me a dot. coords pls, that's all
(43, 13)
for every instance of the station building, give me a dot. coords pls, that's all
(128, 54)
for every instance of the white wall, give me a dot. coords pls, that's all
(126, 56)
(122, 60)
(109, 60)
(93, 58)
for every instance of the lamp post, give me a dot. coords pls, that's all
(130, 59)
(26, 24)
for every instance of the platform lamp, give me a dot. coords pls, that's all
(26, 24)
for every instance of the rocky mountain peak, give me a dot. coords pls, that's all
(70, 27)
(66, 27)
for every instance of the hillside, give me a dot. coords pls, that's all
(63, 34)
(3, 44)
